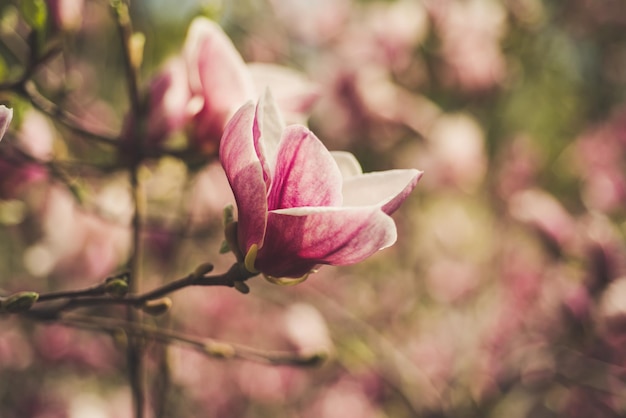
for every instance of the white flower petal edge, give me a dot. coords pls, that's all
(6, 115)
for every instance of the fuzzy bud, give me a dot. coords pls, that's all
(219, 349)
(157, 307)
(116, 287)
(19, 302)
(203, 269)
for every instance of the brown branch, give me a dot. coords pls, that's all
(208, 346)
(103, 294)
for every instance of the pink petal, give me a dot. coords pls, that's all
(268, 130)
(217, 72)
(299, 239)
(385, 189)
(306, 174)
(245, 175)
(168, 101)
(6, 115)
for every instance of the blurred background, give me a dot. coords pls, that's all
(505, 295)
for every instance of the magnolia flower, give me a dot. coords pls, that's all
(299, 204)
(200, 90)
(6, 115)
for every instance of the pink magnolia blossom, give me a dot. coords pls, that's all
(200, 90)
(299, 204)
(67, 14)
(218, 75)
(220, 78)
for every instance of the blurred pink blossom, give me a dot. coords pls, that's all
(66, 14)
(336, 399)
(199, 91)
(456, 154)
(269, 384)
(300, 206)
(518, 167)
(545, 214)
(211, 194)
(15, 350)
(171, 104)
(611, 315)
(313, 22)
(55, 344)
(397, 27)
(600, 154)
(470, 33)
(36, 135)
(18, 170)
(16, 175)
(307, 330)
(79, 245)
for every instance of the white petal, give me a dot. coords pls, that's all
(347, 162)
(379, 188)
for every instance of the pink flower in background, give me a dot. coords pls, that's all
(218, 75)
(201, 90)
(6, 115)
(170, 106)
(300, 205)
(67, 14)
(35, 139)
(470, 34)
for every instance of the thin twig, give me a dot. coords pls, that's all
(124, 26)
(95, 295)
(89, 292)
(29, 90)
(208, 346)
(135, 355)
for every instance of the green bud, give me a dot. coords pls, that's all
(228, 215)
(203, 269)
(224, 248)
(116, 287)
(230, 233)
(219, 349)
(157, 307)
(19, 302)
(137, 43)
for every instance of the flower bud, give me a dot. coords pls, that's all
(228, 215)
(137, 43)
(157, 307)
(224, 247)
(230, 233)
(19, 302)
(203, 269)
(116, 287)
(218, 349)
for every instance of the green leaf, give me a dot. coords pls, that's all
(35, 13)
